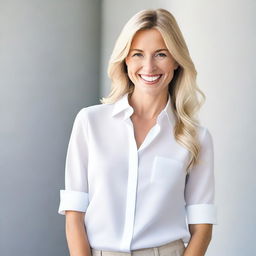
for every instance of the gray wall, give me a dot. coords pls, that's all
(49, 69)
(221, 38)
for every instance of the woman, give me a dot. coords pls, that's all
(139, 169)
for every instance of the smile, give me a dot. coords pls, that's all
(150, 79)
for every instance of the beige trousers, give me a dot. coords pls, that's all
(175, 248)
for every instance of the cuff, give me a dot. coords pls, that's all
(73, 200)
(201, 213)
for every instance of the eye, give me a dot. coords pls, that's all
(137, 54)
(161, 54)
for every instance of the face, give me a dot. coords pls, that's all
(149, 63)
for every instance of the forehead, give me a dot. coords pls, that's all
(149, 38)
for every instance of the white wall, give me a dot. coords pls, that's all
(221, 38)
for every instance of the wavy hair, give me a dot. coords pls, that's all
(182, 88)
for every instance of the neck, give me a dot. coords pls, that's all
(147, 106)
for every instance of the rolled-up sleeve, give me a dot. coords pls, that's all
(200, 185)
(75, 196)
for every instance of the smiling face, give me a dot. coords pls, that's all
(149, 63)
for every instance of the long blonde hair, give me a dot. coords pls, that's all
(183, 88)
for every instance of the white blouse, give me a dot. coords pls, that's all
(135, 198)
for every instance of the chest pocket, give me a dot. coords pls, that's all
(167, 170)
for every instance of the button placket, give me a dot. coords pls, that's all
(133, 178)
(131, 190)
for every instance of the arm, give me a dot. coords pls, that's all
(74, 200)
(76, 234)
(200, 238)
(199, 197)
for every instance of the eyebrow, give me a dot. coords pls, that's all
(139, 50)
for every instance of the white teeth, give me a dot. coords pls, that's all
(150, 78)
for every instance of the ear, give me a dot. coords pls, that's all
(176, 65)
(126, 60)
(125, 67)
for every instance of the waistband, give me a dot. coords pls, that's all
(154, 251)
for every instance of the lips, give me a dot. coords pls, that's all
(150, 78)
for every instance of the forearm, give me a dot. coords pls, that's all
(200, 239)
(77, 239)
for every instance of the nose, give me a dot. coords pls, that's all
(149, 65)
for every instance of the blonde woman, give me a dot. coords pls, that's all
(139, 173)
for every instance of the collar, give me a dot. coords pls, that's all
(122, 106)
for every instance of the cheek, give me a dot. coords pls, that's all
(169, 74)
(168, 68)
(131, 72)
(132, 68)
